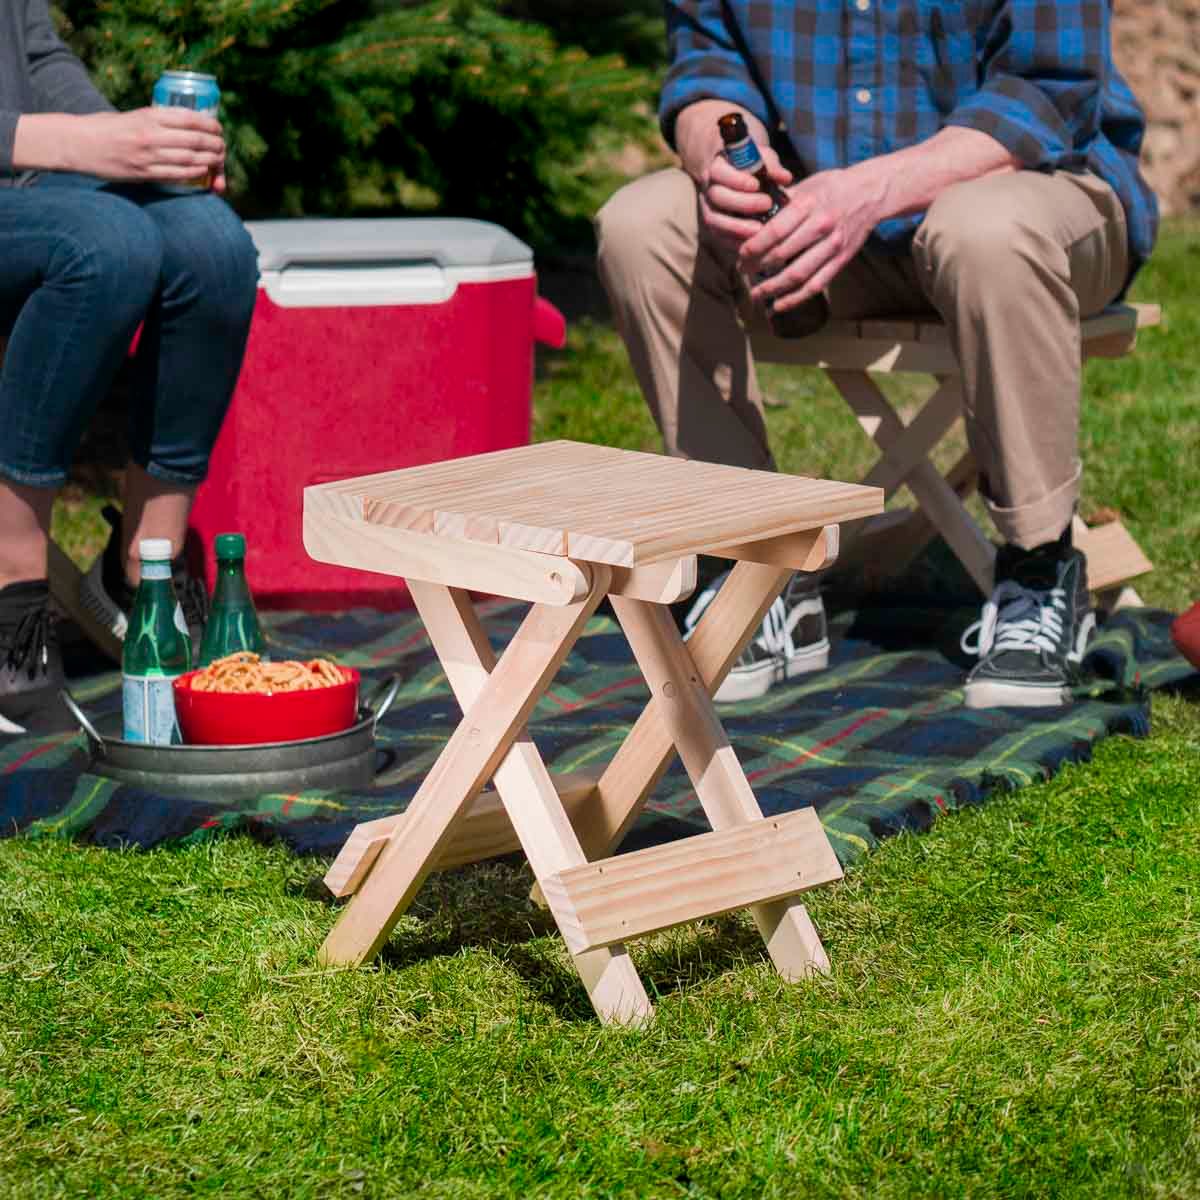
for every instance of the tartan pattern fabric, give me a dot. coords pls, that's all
(843, 82)
(878, 743)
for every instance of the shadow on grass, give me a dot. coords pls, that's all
(487, 907)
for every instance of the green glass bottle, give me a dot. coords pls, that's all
(232, 622)
(156, 650)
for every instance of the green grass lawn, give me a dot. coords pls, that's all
(1014, 1008)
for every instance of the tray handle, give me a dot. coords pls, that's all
(94, 739)
(383, 697)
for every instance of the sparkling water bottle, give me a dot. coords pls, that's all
(232, 622)
(157, 650)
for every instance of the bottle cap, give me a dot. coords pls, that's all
(155, 549)
(230, 545)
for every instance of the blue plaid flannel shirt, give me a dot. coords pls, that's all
(840, 81)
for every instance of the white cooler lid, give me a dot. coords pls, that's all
(326, 262)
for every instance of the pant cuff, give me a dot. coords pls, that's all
(1043, 521)
(42, 479)
(167, 475)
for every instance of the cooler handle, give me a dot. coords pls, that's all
(549, 325)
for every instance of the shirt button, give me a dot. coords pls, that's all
(863, 96)
(862, 5)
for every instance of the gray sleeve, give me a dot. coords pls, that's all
(57, 77)
(8, 134)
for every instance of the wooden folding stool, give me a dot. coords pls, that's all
(563, 525)
(851, 352)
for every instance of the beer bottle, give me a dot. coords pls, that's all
(156, 650)
(232, 622)
(743, 153)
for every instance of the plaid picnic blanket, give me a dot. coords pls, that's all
(877, 743)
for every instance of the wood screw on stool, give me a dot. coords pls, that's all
(563, 525)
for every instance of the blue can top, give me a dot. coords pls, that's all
(187, 89)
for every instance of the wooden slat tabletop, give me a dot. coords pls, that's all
(594, 503)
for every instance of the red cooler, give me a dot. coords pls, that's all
(376, 344)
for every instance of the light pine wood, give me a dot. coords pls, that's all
(850, 351)
(642, 759)
(934, 494)
(489, 727)
(663, 582)
(589, 503)
(526, 789)
(703, 876)
(811, 550)
(521, 574)
(922, 345)
(1121, 596)
(1112, 554)
(683, 704)
(940, 414)
(484, 833)
(551, 523)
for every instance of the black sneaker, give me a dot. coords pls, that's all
(1033, 632)
(793, 640)
(31, 670)
(107, 596)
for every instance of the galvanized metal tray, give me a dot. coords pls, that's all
(349, 759)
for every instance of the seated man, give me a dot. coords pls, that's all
(976, 159)
(90, 249)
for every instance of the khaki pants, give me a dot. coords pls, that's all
(1010, 263)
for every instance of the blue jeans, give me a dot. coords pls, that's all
(82, 264)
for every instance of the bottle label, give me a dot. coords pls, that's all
(744, 154)
(148, 702)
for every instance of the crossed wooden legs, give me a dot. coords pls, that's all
(746, 861)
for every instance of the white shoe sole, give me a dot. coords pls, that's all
(989, 694)
(96, 602)
(751, 682)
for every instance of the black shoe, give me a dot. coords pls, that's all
(792, 640)
(107, 596)
(1034, 630)
(31, 670)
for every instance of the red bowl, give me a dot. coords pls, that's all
(253, 718)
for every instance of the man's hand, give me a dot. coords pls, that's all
(803, 247)
(831, 214)
(731, 204)
(160, 145)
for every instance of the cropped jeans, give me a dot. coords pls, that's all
(83, 263)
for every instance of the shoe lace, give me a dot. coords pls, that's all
(1018, 618)
(775, 633)
(29, 646)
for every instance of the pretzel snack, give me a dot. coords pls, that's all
(245, 672)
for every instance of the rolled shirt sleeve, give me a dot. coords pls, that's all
(1042, 74)
(706, 64)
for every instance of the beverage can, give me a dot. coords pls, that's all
(200, 93)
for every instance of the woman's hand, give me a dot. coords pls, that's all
(153, 145)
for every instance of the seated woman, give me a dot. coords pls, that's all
(91, 248)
